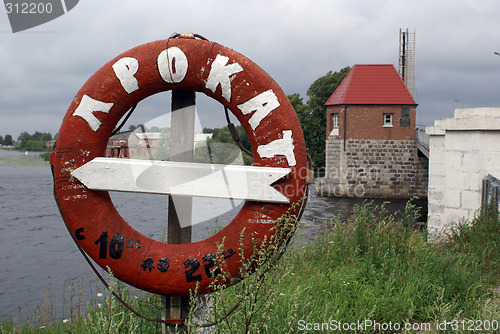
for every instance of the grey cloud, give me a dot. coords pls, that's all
(294, 41)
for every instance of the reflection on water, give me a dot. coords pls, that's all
(39, 258)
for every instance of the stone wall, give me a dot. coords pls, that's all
(463, 150)
(373, 168)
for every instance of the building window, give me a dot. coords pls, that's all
(387, 120)
(404, 121)
(336, 123)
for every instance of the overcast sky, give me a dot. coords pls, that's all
(295, 41)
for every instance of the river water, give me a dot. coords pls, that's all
(41, 264)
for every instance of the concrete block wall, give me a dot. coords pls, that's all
(463, 150)
(373, 168)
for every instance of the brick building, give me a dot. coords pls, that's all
(129, 144)
(137, 144)
(371, 147)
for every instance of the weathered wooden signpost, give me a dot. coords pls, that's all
(271, 187)
(181, 149)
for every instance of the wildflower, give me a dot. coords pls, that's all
(282, 294)
(99, 295)
(65, 321)
(99, 305)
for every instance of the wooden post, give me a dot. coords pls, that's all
(181, 149)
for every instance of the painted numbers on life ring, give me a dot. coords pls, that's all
(116, 246)
(192, 265)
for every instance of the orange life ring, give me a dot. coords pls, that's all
(253, 97)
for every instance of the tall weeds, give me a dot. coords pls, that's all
(479, 239)
(373, 266)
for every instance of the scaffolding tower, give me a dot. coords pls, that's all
(407, 59)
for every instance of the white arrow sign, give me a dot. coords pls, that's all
(183, 178)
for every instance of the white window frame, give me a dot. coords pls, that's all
(388, 120)
(336, 124)
(336, 121)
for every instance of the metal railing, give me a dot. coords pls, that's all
(491, 191)
(422, 137)
(423, 140)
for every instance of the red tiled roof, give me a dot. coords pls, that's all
(371, 84)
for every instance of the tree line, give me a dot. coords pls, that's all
(312, 114)
(7, 140)
(28, 142)
(227, 154)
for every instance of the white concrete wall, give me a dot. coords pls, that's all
(463, 150)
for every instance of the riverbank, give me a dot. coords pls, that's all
(17, 158)
(371, 271)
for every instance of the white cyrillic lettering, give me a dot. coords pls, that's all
(283, 146)
(87, 108)
(125, 68)
(220, 73)
(262, 104)
(173, 65)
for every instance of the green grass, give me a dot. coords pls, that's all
(372, 267)
(376, 268)
(25, 160)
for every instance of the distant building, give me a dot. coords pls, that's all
(371, 146)
(126, 144)
(50, 144)
(129, 144)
